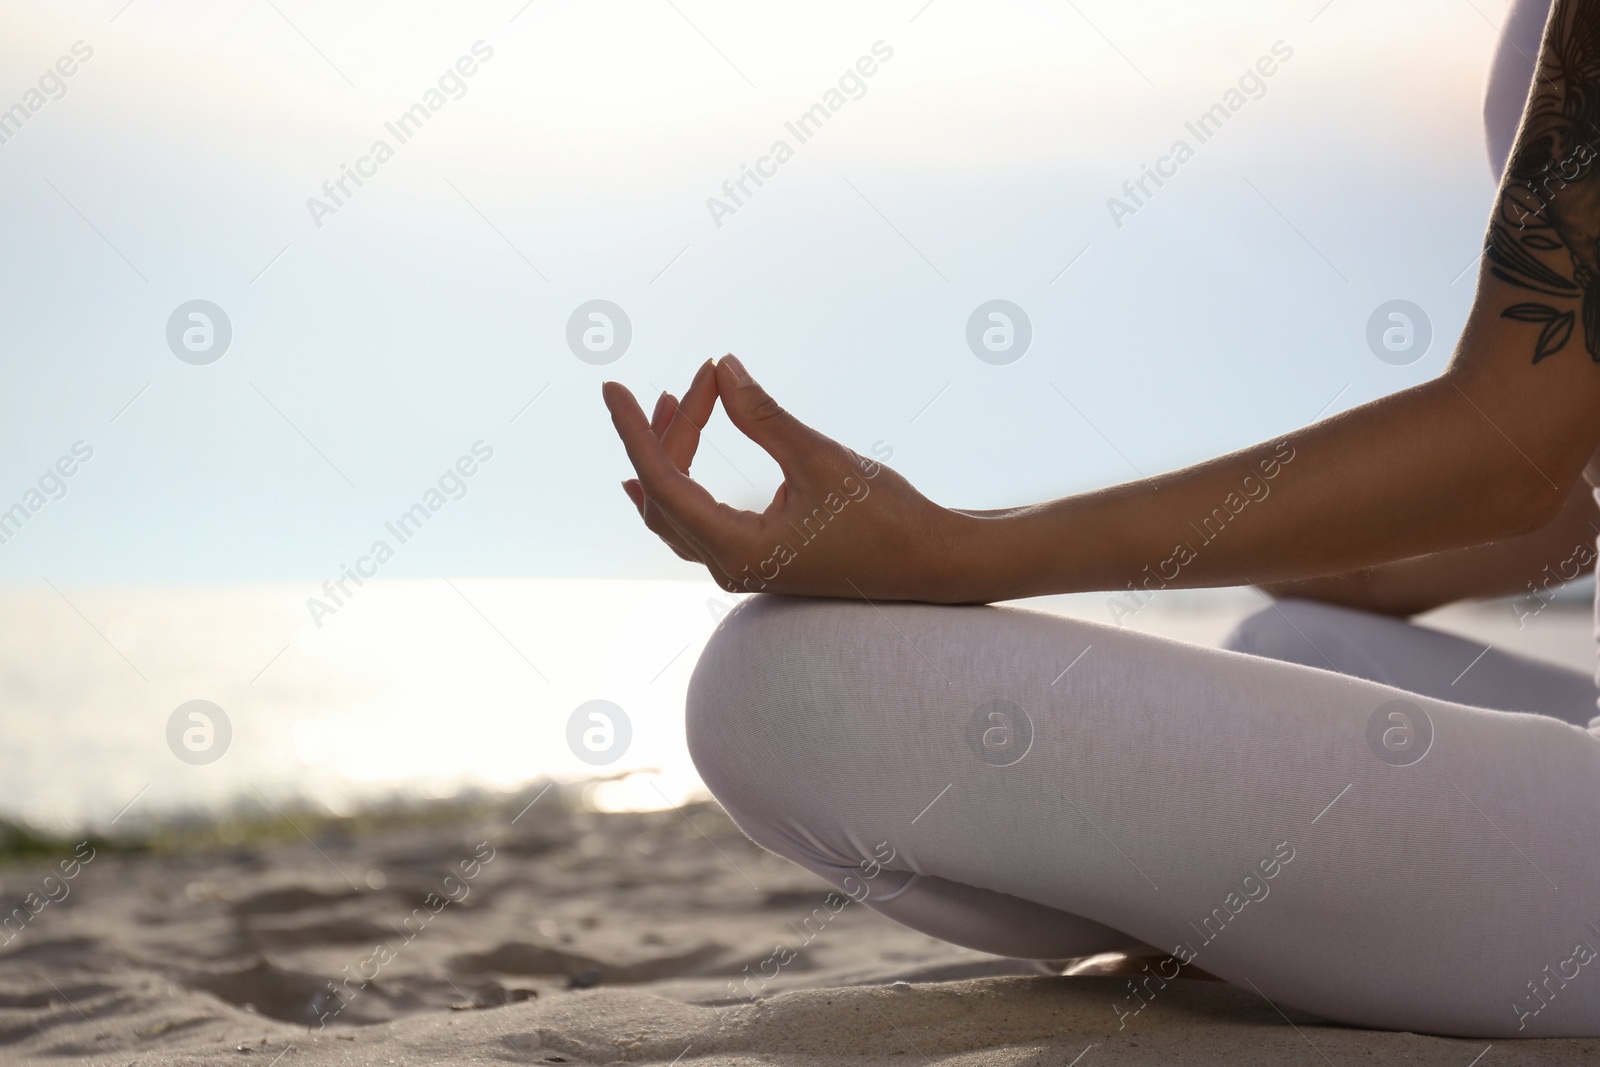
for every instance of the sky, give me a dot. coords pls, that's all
(421, 319)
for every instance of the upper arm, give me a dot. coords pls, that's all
(1529, 358)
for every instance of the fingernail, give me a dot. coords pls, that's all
(740, 375)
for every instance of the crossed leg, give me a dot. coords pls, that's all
(1376, 856)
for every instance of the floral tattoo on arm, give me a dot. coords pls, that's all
(1550, 200)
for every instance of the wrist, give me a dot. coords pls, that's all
(981, 557)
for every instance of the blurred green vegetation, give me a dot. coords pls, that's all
(253, 824)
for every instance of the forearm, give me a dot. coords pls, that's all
(1559, 552)
(1421, 471)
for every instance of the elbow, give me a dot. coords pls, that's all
(1517, 453)
(1523, 503)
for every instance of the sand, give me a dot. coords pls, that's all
(493, 934)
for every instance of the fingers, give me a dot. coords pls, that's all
(635, 493)
(701, 399)
(689, 416)
(759, 417)
(656, 522)
(665, 410)
(660, 418)
(673, 506)
(662, 415)
(677, 538)
(687, 504)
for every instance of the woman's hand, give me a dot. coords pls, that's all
(839, 525)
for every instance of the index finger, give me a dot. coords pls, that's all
(690, 415)
(680, 496)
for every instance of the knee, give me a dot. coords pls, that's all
(755, 714)
(740, 709)
(1288, 630)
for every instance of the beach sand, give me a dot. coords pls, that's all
(498, 932)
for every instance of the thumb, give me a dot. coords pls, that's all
(759, 417)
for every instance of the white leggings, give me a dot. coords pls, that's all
(1374, 846)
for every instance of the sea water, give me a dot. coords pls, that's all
(423, 688)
